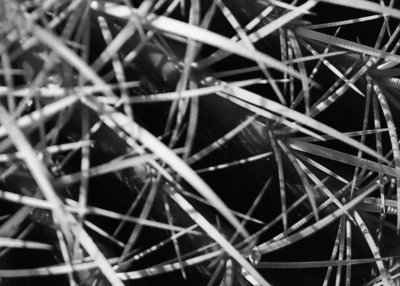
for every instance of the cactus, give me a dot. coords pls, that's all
(198, 142)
